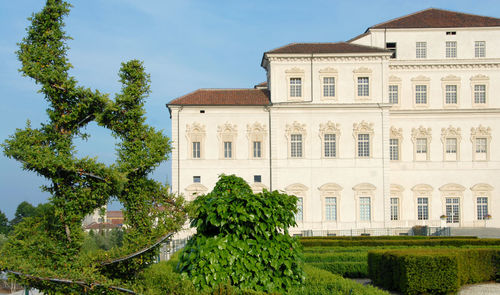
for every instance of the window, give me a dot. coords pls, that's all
(421, 49)
(481, 138)
(480, 49)
(330, 145)
(422, 208)
(197, 179)
(363, 145)
(481, 145)
(451, 94)
(363, 86)
(228, 149)
(394, 208)
(392, 47)
(479, 94)
(299, 216)
(295, 87)
(331, 208)
(394, 149)
(451, 146)
(451, 33)
(329, 86)
(393, 94)
(452, 210)
(257, 178)
(421, 146)
(451, 49)
(365, 208)
(196, 150)
(420, 94)
(296, 146)
(482, 208)
(257, 151)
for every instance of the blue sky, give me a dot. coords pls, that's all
(185, 45)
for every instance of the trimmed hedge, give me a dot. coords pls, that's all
(336, 257)
(414, 242)
(439, 271)
(388, 238)
(345, 269)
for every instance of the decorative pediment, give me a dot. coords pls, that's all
(364, 187)
(452, 187)
(451, 132)
(329, 127)
(362, 70)
(396, 188)
(294, 70)
(479, 77)
(421, 79)
(396, 132)
(257, 128)
(450, 78)
(481, 187)
(422, 188)
(394, 79)
(330, 187)
(480, 131)
(363, 127)
(295, 128)
(421, 132)
(328, 71)
(296, 187)
(195, 189)
(195, 128)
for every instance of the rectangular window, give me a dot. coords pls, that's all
(451, 49)
(257, 152)
(295, 87)
(331, 208)
(296, 146)
(421, 94)
(393, 94)
(363, 86)
(330, 145)
(481, 145)
(299, 216)
(363, 145)
(421, 146)
(451, 145)
(480, 49)
(329, 86)
(422, 208)
(452, 210)
(482, 208)
(196, 150)
(394, 208)
(364, 209)
(480, 93)
(196, 179)
(392, 47)
(228, 149)
(421, 49)
(257, 178)
(394, 149)
(451, 94)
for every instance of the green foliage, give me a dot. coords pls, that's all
(374, 242)
(420, 230)
(345, 269)
(23, 210)
(4, 224)
(49, 244)
(242, 239)
(3, 239)
(102, 240)
(431, 271)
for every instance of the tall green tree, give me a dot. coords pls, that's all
(4, 223)
(49, 244)
(23, 210)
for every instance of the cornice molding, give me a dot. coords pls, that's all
(326, 59)
(444, 66)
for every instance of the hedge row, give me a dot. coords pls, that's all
(415, 242)
(439, 271)
(345, 269)
(336, 257)
(387, 238)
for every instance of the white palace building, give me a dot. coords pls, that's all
(397, 127)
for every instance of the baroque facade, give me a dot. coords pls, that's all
(396, 127)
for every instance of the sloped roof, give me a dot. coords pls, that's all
(261, 85)
(338, 47)
(248, 97)
(439, 18)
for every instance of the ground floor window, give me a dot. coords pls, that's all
(452, 210)
(299, 216)
(394, 208)
(331, 208)
(422, 208)
(482, 208)
(364, 209)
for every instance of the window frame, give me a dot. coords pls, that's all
(476, 81)
(395, 209)
(420, 52)
(421, 213)
(195, 132)
(363, 73)
(451, 49)
(227, 133)
(363, 128)
(328, 73)
(421, 81)
(446, 135)
(417, 135)
(483, 133)
(292, 130)
(479, 49)
(295, 73)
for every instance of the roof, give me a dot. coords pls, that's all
(114, 214)
(261, 85)
(249, 97)
(438, 18)
(95, 225)
(338, 47)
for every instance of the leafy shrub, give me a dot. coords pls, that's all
(415, 242)
(367, 238)
(345, 269)
(420, 230)
(242, 239)
(336, 257)
(431, 271)
(3, 239)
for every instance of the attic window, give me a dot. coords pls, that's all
(202, 111)
(392, 47)
(451, 33)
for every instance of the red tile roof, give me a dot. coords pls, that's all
(262, 85)
(95, 225)
(114, 214)
(249, 97)
(439, 18)
(339, 47)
